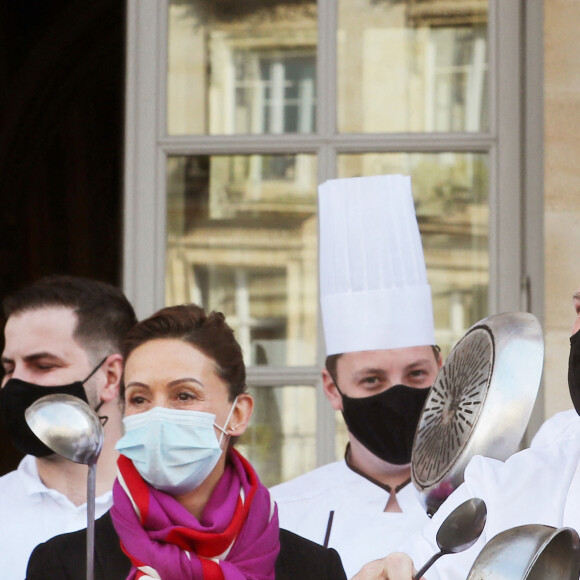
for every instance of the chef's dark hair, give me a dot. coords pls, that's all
(207, 332)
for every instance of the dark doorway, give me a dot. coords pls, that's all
(61, 136)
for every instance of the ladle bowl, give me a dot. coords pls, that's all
(459, 531)
(68, 426)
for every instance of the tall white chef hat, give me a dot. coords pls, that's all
(373, 281)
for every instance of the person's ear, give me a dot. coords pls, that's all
(438, 355)
(113, 368)
(241, 415)
(331, 391)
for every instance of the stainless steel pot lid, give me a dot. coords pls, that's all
(529, 552)
(480, 403)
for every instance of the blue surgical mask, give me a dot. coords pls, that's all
(172, 449)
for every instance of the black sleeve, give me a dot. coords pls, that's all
(45, 564)
(335, 569)
(64, 557)
(301, 559)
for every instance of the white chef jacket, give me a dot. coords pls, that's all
(561, 425)
(31, 513)
(361, 530)
(539, 485)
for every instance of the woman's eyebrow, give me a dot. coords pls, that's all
(186, 380)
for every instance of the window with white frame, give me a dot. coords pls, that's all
(274, 91)
(237, 110)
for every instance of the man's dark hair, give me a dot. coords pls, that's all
(104, 313)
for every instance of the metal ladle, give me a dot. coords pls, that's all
(68, 426)
(459, 531)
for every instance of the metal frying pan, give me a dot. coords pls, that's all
(480, 403)
(529, 552)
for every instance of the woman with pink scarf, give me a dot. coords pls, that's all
(186, 505)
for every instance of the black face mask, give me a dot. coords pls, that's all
(17, 395)
(574, 371)
(386, 423)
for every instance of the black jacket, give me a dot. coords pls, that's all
(64, 557)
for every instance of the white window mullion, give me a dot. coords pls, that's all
(305, 99)
(242, 300)
(277, 79)
(475, 83)
(144, 183)
(533, 176)
(348, 143)
(430, 95)
(326, 68)
(505, 57)
(258, 98)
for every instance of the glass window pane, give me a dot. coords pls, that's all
(412, 65)
(451, 200)
(280, 441)
(241, 67)
(241, 239)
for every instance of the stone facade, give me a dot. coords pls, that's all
(561, 191)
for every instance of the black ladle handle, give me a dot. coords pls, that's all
(428, 564)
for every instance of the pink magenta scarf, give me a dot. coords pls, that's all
(236, 538)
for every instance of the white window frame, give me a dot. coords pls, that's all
(513, 145)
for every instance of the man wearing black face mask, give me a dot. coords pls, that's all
(540, 485)
(378, 326)
(62, 335)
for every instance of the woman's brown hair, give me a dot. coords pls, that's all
(207, 332)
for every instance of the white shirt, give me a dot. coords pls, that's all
(561, 425)
(539, 485)
(31, 513)
(361, 530)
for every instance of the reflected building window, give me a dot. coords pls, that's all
(253, 301)
(456, 99)
(242, 240)
(274, 92)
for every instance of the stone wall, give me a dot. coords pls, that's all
(562, 191)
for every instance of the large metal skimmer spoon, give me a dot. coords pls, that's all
(459, 531)
(69, 427)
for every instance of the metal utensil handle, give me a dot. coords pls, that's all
(428, 564)
(91, 485)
